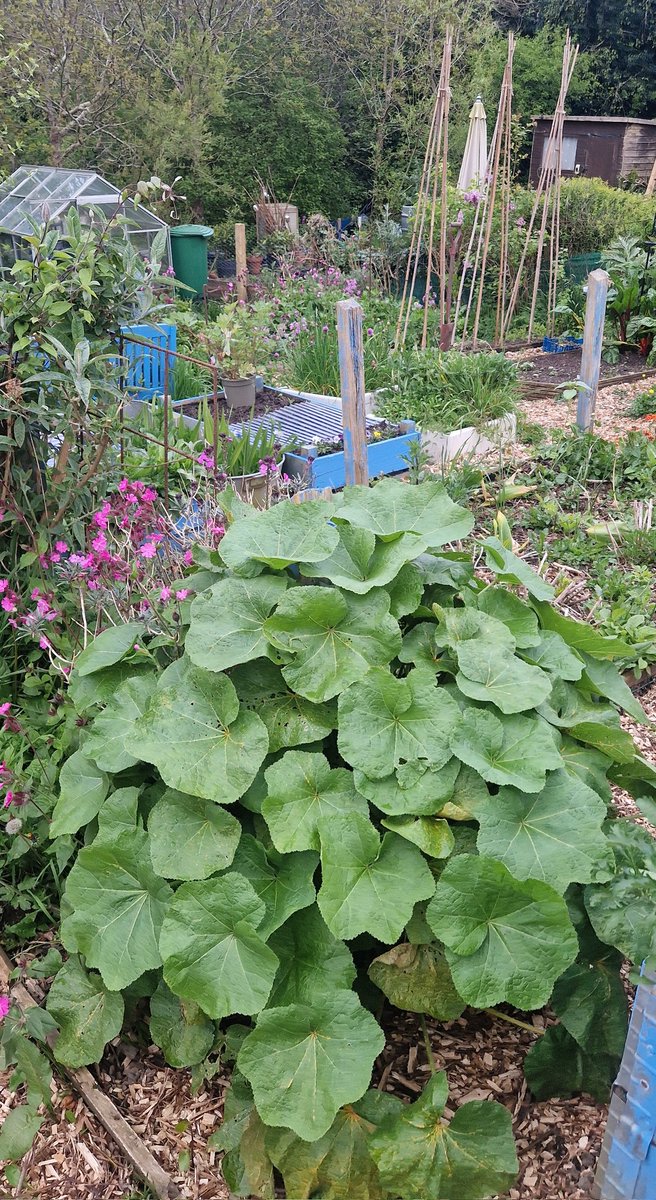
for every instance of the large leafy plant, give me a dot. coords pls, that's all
(369, 760)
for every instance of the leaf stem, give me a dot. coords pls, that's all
(494, 1012)
(429, 1048)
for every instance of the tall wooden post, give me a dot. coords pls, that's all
(240, 258)
(593, 338)
(351, 371)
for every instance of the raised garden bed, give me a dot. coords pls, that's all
(470, 442)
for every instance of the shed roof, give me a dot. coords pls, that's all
(34, 194)
(600, 120)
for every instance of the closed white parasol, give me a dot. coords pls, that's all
(474, 163)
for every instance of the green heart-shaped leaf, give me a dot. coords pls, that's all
(557, 1066)
(360, 562)
(109, 647)
(302, 790)
(307, 1060)
(82, 789)
(420, 1155)
(284, 534)
(505, 940)
(211, 951)
(425, 795)
(88, 1015)
(191, 838)
(369, 886)
(417, 978)
(179, 1027)
(433, 836)
(283, 882)
(488, 672)
(106, 741)
(517, 751)
(334, 638)
(197, 737)
(291, 720)
(513, 612)
(312, 961)
(227, 622)
(392, 508)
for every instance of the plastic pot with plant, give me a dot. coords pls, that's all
(250, 458)
(235, 341)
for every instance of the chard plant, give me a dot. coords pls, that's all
(369, 761)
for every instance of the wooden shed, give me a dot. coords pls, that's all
(608, 148)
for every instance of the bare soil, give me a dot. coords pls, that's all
(266, 400)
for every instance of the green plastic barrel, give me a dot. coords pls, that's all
(189, 251)
(579, 266)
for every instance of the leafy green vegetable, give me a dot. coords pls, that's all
(88, 1015)
(515, 751)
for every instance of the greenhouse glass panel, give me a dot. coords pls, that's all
(33, 195)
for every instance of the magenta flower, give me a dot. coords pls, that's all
(4, 709)
(4, 584)
(61, 547)
(188, 557)
(182, 594)
(8, 800)
(370, 333)
(44, 643)
(4, 1007)
(165, 594)
(148, 550)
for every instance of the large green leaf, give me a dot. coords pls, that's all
(419, 1155)
(592, 1004)
(282, 881)
(119, 814)
(211, 951)
(432, 835)
(197, 737)
(191, 838)
(360, 562)
(369, 886)
(622, 911)
(417, 978)
(516, 751)
(505, 940)
(312, 961)
(586, 764)
(552, 653)
(488, 672)
(338, 1166)
(569, 705)
(307, 1060)
(460, 626)
(513, 570)
(303, 789)
(405, 591)
(385, 722)
(291, 720)
(607, 681)
(227, 622)
(422, 646)
(106, 741)
(87, 691)
(614, 743)
(82, 789)
(18, 1131)
(557, 1066)
(555, 835)
(424, 795)
(284, 534)
(109, 647)
(580, 635)
(180, 1028)
(88, 1015)
(333, 637)
(507, 607)
(392, 508)
(117, 905)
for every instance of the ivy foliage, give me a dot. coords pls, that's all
(341, 778)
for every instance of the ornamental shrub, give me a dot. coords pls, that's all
(372, 759)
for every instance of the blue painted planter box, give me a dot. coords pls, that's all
(384, 458)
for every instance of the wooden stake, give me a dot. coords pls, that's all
(240, 258)
(593, 339)
(443, 314)
(440, 156)
(651, 186)
(425, 173)
(351, 372)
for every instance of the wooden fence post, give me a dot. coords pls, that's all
(593, 338)
(240, 259)
(351, 371)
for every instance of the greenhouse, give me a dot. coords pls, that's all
(32, 195)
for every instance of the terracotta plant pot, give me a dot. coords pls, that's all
(240, 393)
(255, 489)
(254, 262)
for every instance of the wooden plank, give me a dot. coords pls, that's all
(240, 259)
(312, 494)
(131, 1145)
(351, 371)
(593, 338)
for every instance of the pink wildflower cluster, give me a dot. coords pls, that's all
(12, 796)
(31, 618)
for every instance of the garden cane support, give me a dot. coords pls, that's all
(240, 261)
(351, 370)
(593, 337)
(627, 1164)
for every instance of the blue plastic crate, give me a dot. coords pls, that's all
(560, 345)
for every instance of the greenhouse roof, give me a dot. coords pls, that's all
(32, 195)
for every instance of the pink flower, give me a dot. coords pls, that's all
(188, 557)
(4, 584)
(165, 594)
(182, 594)
(54, 557)
(8, 604)
(8, 800)
(35, 594)
(370, 333)
(4, 1007)
(149, 495)
(99, 543)
(4, 769)
(148, 550)
(61, 547)
(123, 485)
(4, 709)
(44, 643)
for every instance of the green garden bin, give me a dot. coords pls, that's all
(189, 251)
